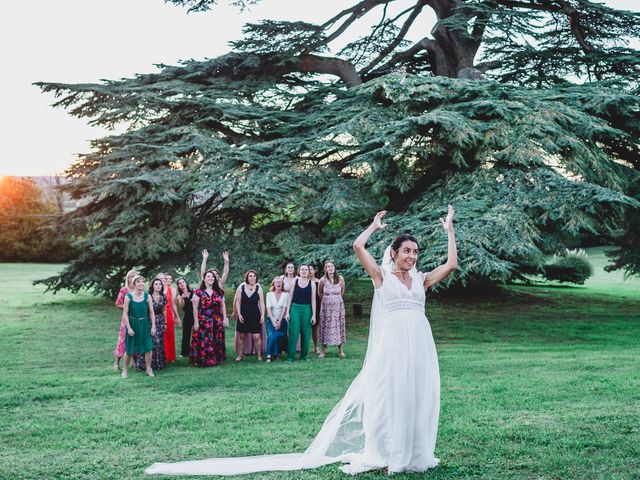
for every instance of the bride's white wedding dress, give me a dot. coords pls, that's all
(389, 415)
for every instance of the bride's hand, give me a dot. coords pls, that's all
(447, 223)
(377, 220)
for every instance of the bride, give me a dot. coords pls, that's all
(389, 416)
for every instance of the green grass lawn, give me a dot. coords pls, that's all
(542, 382)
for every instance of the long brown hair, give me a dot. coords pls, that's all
(336, 277)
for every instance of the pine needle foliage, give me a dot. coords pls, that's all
(276, 150)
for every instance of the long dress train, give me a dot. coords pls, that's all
(388, 416)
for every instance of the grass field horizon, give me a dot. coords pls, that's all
(542, 382)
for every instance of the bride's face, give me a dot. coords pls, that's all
(406, 256)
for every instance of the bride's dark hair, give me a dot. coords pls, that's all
(400, 239)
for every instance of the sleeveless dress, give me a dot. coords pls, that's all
(120, 344)
(140, 322)
(207, 343)
(388, 416)
(332, 315)
(187, 325)
(250, 312)
(170, 336)
(249, 348)
(158, 357)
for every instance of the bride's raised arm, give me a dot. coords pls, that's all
(364, 257)
(439, 273)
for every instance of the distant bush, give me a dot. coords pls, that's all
(572, 267)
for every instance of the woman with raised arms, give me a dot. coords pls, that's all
(388, 419)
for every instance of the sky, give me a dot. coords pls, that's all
(78, 41)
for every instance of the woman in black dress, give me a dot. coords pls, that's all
(250, 310)
(183, 298)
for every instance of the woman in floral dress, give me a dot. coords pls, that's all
(158, 355)
(209, 320)
(332, 315)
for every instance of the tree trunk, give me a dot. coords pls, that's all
(453, 51)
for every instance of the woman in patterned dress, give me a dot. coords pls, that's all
(159, 300)
(332, 315)
(209, 320)
(120, 345)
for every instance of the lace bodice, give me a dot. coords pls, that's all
(396, 296)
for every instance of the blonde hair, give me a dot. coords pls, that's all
(129, 276)
(135, 279)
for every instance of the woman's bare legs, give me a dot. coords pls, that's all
(147, 362)
(257, 343)
(241, 339)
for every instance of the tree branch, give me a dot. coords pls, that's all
(353, 10)
(490, 65)
(396, 41)
(356, 11)
(332, 66)
(544, 6)
(426, 43)
(576, 28)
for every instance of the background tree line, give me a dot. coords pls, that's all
(28, 223)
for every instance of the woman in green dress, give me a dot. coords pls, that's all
(140, 321)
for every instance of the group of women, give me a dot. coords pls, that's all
(297, 308)
(388, 417)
